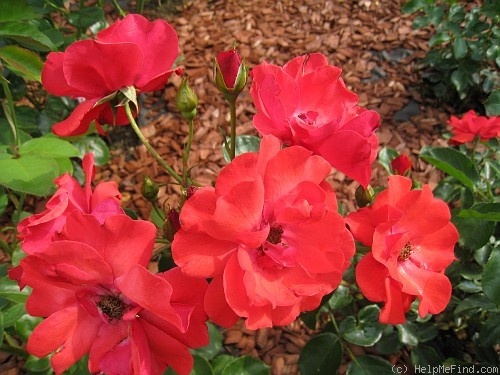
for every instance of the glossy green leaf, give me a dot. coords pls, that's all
(215, 345)
(201, 366)
(388, 344)
(412, 6)
(37, 364)
(476, 302)
(340, 298)
(424, 355)
(220, 362)
(460, 79)
(13, 314)
(492, 104)
(1, 326)
(366, 330)
(246, 365)
(482, 211)
(9, 289)
(29, 174)
(48, 147)
(23, 62)
(408, 333)
(16, 10)
(97, 146)
(244, 143)
(459, 48)
(322, 355)
(4, 200)
(491, 277)
(453, 163)
(25, 325)
(28, 35)
(474, 233)
(490, 331)
(370, 365)
(385, 157)
(439, 38)
(86, 17)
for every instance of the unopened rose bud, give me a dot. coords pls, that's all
(230, 74)
(172, 224)
(186, 100)
(190, 191)
(364, 196)
(401, 165)
(149, 189)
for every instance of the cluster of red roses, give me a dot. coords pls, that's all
(268, 235)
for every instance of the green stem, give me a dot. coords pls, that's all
(140, 6)
(159, 212)
(10, 113)
(118, 8)
(150, 148)
(232, 113)
(185, 156)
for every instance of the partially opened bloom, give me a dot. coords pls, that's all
(131, 52)
(268, 235)
(471, 125)
(230, 73)
(306, 103)
(98, 297)
(37, 231)
(401, 165)
(412, 242)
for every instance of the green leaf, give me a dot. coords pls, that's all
(215, 345)
(492, 104)
(459, 48)
(388, 344)
(9, 289)
(474, 233)
(37, 364)
(201, 366)
(453, 163)
(322, 355)
(86, 17)
(13, 314)
(408, 333)
(340, 298)
(95, 145)
(49, 147)
(1, 326)
(439, 38)
(220, 362)
(366, 331)
(385, 157)
(460, 79)
(474, 303)
(490, 331)
(27, 35)
(29, 174)
(412, 6)
(4, 201)
(16, 10)
(491, 279)
(482, 211)
(23, 62)
(25, 326)
(246, 366)
(244, 143)
(370, 365)
(425, 356)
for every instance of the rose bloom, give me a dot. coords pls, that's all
(37, 231)
(131, 52)
(228, 62)
(306, 103)
(401, 164)
(268, 234)
(471, 125)
(412, 241)
(98, 297)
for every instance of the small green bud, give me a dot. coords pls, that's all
(364, 196)
(149, 189)
(186, 100)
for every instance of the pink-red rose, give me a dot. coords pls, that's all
(306, 103)
(471, 125)
(229, 64)
(412, 241)
(37, 231)
(131, 52)
(92, 286)
(268, 235)
(401, 165)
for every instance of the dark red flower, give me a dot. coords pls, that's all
(306, 103)
(401, 165)
(37, 231)
(471, 125)
(269, 235)
(92, 286)
(230, 74)
(131, 52)
(412, 242)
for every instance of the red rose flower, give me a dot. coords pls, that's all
(401, 164)
(131, 52)
(306, 103)
(412, 242)
(98, 297)
(471, 125)
(37, 231)
(229, 63)
(268, 234)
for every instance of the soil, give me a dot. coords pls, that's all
(373, 43)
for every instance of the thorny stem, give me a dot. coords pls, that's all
(150, 148)
(232, 113)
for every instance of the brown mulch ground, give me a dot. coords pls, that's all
(371, 41)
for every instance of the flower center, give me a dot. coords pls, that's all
(406, 252)
(112, 307)
(309, 117)
(275, 235)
